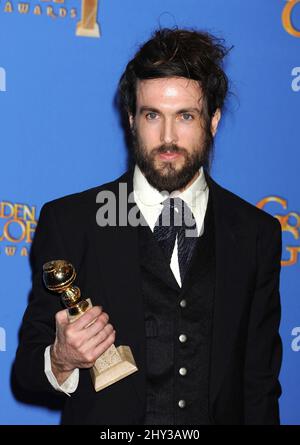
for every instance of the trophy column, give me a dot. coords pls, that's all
(115, 363)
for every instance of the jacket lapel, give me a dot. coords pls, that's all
(151, 250)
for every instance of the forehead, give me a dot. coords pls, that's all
(170, 91)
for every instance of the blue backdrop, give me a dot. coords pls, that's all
(60, 133)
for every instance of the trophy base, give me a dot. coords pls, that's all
(113, 365)
(87, 32)
(104, 376)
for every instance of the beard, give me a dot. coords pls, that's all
(166, 177)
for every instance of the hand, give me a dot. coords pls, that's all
(80, 343)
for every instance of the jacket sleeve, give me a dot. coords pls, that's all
(38, 325)
(264, 348)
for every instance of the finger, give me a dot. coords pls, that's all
(98, 325)
(103, 346)
(101, 336)
(88, 317)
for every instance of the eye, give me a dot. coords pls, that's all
(187, 116)
(151, 116)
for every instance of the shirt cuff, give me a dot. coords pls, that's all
(69, 386)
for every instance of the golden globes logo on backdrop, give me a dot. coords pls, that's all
(58, 9)
(290, 222)
(287, 17)
(17, 226)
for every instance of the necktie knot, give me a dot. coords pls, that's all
(176, 219)
(176, 213)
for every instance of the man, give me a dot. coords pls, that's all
(196, 299)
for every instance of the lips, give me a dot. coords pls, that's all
(169, 156)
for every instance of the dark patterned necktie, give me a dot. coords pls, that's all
(176, 219)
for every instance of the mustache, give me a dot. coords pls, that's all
(173, 148)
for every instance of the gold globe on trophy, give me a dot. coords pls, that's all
(115, 363)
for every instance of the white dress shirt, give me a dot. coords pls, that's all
(149, 200)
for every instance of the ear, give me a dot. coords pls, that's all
(215, 121)
(131, 119)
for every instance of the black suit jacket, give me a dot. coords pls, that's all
(246, 347)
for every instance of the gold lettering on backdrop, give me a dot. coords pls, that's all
(19, 222)
(23, 8)
(10, 225)
(261, 204)
(62, 12)
(10, 250)
(30, 229)
(17, 211)
(88, 26)
(24, 251)
(6, 209)
(286, 226)
(50, 12)
(8, 7)
(294, 253)
(37, 10)
(287, 18)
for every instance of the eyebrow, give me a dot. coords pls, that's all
(182, 110)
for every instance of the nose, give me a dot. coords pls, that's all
(168, 132)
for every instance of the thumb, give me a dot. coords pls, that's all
(61, 317)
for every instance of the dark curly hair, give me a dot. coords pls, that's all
(179, 53)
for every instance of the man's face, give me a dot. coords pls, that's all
(168, 131)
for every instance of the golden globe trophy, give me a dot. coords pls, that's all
(88, 25)
(115, 363)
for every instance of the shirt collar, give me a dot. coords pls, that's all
(150, 196)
